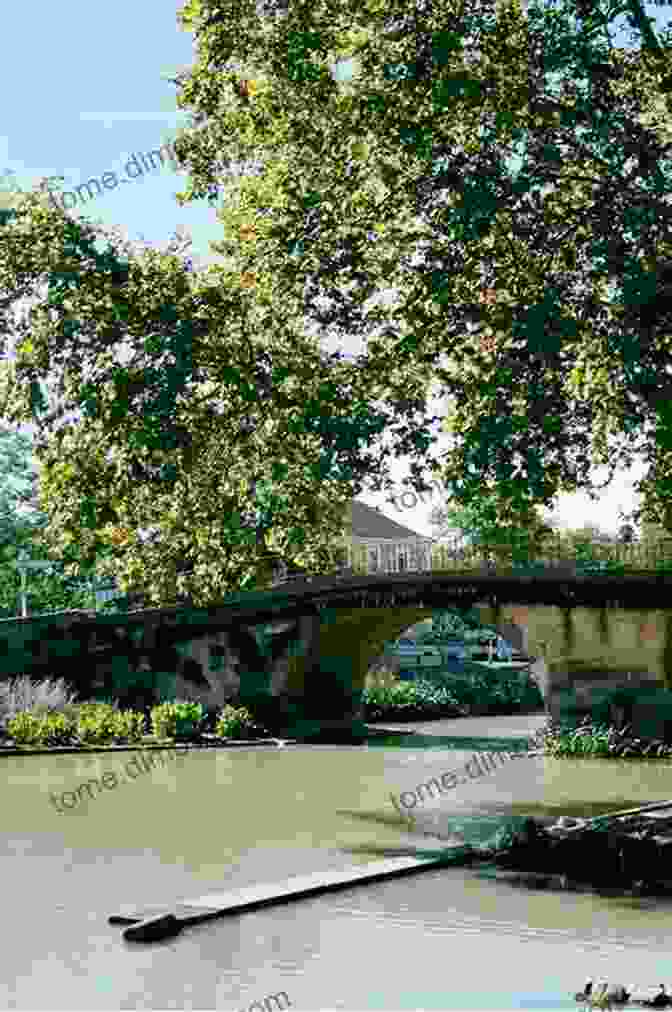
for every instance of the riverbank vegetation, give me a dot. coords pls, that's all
(476, 690)
(593, 740)
(46, 714)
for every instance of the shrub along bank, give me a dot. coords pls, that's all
(96, 724)
(477, 690)
(37, 717)
(591, 740)
(46, 714)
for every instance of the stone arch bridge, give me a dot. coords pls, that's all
(309, 643)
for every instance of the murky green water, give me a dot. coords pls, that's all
(449, 939)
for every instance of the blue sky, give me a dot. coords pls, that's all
(86, 88)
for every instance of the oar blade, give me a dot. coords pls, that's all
(154, 929)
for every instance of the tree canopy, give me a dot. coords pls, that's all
(479, 523)
(227, 436)
(492, 166)
(21, 531)
(506, 174)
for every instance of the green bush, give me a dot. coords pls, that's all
(91, 708)
(129, 725)
(494, 690)
(181, 719)
(599, 740)
(409, 701)
(95, 729)
(593, 566)
(78, 724)
(94, 723)
(489, 690)
(25, 728)
(41, 729)
(235, 722)
(58, 730)
(103, 724)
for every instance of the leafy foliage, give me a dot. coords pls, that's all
(75, 724)
(499, 170)
(22, 524)
(592, 739)
(104, 725)
(454, 622)
(47, 729)
(216, 373)
(587, 548)
(480, 524)
(46, 713)
(477, 689)
(408, 701)
(236, 722)
(177, 719)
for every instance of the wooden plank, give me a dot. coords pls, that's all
(155, 923)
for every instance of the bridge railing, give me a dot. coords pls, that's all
(593, 556)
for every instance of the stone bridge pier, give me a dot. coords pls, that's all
(612, 664)
(155, 655)
(313, 665)
(242, 662)
(277, 665)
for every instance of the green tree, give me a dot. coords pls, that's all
(479, 523)
(21, 524)
(226, 439)
(485, 163)
(17, 485)
(15, 530)
(524, 157)
(626, 534)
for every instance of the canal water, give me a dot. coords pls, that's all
(213, 821)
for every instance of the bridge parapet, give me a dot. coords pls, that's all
(554, 553)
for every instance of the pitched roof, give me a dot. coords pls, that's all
(368, 522)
